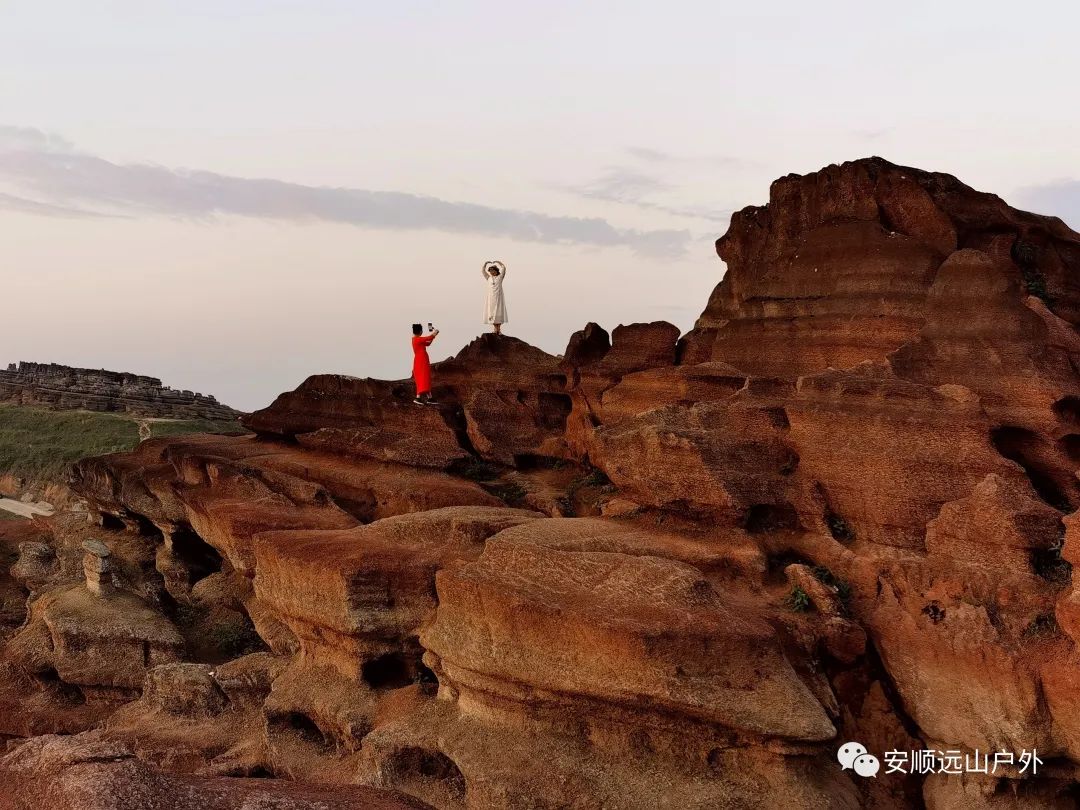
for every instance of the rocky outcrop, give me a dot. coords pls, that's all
(837, 267)
(653, 572)
(56, 386)
(86, 772)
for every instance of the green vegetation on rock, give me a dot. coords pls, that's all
(39, 445)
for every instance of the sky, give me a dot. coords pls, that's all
(233, 196)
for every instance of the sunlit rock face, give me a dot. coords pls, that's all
(655, 571)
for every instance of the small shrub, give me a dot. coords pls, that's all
(476, 470)
(839, 528)
(1042, 626)
(798, 600)
(841, 587)
(1036, 285)
(1049, 564)
(596, 478)
(190, 615)
(511, 494)
(934, 612)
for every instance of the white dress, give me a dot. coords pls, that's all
(495, 303)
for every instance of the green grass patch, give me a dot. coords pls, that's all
(798, 600)
(187, 427)
(6, 515)
(40, 445)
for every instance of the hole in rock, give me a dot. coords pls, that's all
(1022, 446)
(716, 759)
(1070, 444)
(390, 671)
(49, 676)
(420, 765)
(526, 462)
(70, 693)
(425, 676)
(109, 521)
(779, 561)
(201, 558)
(474, 469)
(363, 507)
(146, 527)
(1068, 409)
(1004, 787)
(558, 380)
(302, 726)
(770, 517)
(838, 527)
(554, 409)
(778, 418)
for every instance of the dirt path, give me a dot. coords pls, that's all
(24, 509)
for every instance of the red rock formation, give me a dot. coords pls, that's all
(86, 772)
(837, 510)
(57, 386)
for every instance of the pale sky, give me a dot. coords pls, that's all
(234, 195)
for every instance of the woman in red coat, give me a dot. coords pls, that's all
(421, 367)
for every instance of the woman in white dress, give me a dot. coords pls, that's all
(495, 303)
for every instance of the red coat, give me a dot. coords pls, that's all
(421, 367)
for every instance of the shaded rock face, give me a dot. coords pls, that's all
(88, 389)
(88, 772)
(653, 572)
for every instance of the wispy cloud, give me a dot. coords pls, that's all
(638, 185)
(628, 186)
(1059, 198)
(10, 202)
(647, 154)
(47, 171)
(872, 134)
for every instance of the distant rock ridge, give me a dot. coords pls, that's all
(64, 387)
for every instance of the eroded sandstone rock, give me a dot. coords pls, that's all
(832, 511)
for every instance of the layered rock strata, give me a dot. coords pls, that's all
(657, 571)
(56, 386)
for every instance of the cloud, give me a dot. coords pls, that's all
(649, 155)
(872, 134)
(30, 138)
(59, 177)
(1060, 198)
(9, 202)
(628, 186)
